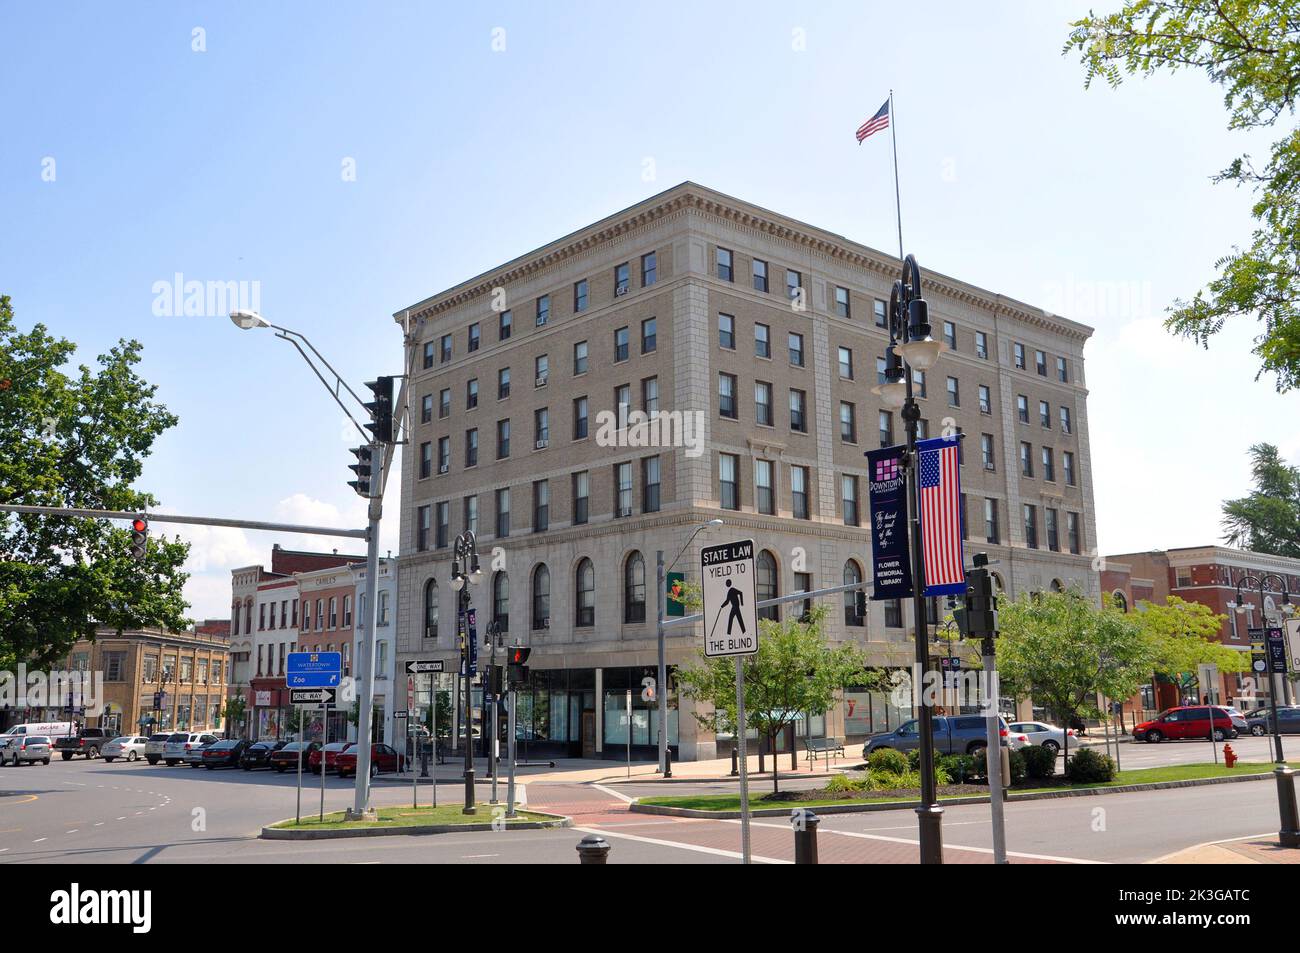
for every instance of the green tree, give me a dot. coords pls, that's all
(1184, 636)
(794, 671)
(1251, 49)
(76, 439)
(1064, 650)
(233, 712)
(1267, 520)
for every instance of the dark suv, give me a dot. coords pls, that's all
(953, 734)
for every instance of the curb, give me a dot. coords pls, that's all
(639, 808)
(279, 833)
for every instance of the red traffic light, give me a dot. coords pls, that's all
(139, 525)
(519, 654)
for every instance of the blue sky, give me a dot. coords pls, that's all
(226, 164)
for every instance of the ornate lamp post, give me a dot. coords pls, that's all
(465, 570)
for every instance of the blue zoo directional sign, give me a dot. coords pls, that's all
(313, 669)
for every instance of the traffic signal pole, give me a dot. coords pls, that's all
(980, 620)
(361, 794)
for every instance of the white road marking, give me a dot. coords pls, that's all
(614, 794)
(73, 831)
(39, 839)
(717, 852)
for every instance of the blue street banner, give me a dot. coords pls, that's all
(1276, 650)
(891, 566)
(472, 618)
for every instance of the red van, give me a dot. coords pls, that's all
(1188, 722)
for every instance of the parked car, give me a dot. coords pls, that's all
(258, 754)
(1190, 721)
(53, 730)
(88, 742)
(6, 741)
(194, 757)
(153, 749)
(1049, 736)
(329, 754)
(382, 758)
(29, 748)
(224, 754)
(287, 757)
(953, 734)
(1260, 721)
(180, 743)
(127, 747)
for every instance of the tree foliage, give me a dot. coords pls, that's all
(76, 439)
(1184, 636)
(1252, 50)
(1267, 520)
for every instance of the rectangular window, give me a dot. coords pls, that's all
(793, 283)
(543, 310)
(986, 400)
(650, 396)
(469, 514)
(986, 451)
(541, 505)
(423, 521)
(764, 499)
(881, 312)
(620, 345)
(1050, 517)
(954, 395)
(725, 271)
(1022, 408)
(444, 524)
(950, 335)
(893, 613)
(1040, 363)
(622, 279)
(649, 269)
(1031, 526)
(990, 521)
(580, 295)
(471, 393)
(622, 489)
(503, 438)
(763, 403)
(503, 383)
(1026, 459)
(795, 343)
(650, 485)
(541, 428)
(426, 460)
(623, 403)
(727, 332)
(444, 403)
(444, 454)
(846, 363)
(474, 338)
(1019, 350)
(649, 336)
(842, 302)
(1067, 465)
(581, 497)
(428, 355)
(426, 409)
(885, 422)
(799, 493)
(1062, 371)
(728, 485)
(727, 395)
(1049, 465)
(762, 341)
(579, 418)
(981, 345)
(848, 422)
(918, 383)
(1065, 420)
(444, 349)
(760, 275)
(1072, 532)
(503, 512)
(798, 411)
(471, 447)
(849, 499)
(580, 358)
(1045, 415)
(504, 324)
(541, 370)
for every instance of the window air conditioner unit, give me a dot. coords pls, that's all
(546, 623)
(620, 291)
(541, 444)
(541, 381)
(442, 468)
(990, 467)
(430, 631)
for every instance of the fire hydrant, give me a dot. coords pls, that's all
(1229, 756)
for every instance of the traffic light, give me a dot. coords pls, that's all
(139, 538)
(981, 611)
(364, 469)
(959, 616)
(381, 409)
(517, 667)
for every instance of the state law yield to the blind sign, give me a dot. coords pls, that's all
(730, 610)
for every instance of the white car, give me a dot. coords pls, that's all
(153, 749)
(127, 747)
(181, 743)
(1049, 736)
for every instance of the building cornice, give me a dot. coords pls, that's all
(690, 198)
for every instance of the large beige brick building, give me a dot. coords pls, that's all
(766, 335)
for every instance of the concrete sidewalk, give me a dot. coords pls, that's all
(1248, 850)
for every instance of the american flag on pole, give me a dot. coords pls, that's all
(940, 493)
(876, 123)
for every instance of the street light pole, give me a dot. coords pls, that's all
(912, 347)
(1289, 814)
(465, 570)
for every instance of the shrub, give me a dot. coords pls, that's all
(957, 767)
(1040, 762)
(1088, 766)
(888, 760)
(842, 784)
(892, 781)
(979, 765)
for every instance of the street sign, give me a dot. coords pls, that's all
(1276, 650)
(312, 696)
(313, 669)
(400, 715)
(423, 666)
(730, 613)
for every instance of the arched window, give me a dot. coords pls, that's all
(334, 612)
(501, 601)
(852, 574)
(765, 585)
(248, 616)
(586, 594)
(541, 597)
(1058, 586)
(320, 614)
(1119, 600)
(347, 612)
(634, 589)
(998, 587)
(431, 609)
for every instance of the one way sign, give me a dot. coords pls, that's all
(311, 696)
(730, 613)
(423, 666)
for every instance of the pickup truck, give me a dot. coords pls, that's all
(86, 742)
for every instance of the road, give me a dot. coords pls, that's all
(92, 812)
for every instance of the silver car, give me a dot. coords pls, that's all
(29, 748)
(127, 747)
(181, 743)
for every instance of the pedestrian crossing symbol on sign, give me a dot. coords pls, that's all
(730, 613)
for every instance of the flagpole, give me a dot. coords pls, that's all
(898, 202)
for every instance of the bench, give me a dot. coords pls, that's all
(823, 746)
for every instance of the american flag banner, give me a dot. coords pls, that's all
(876, 123)
(940, 503)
